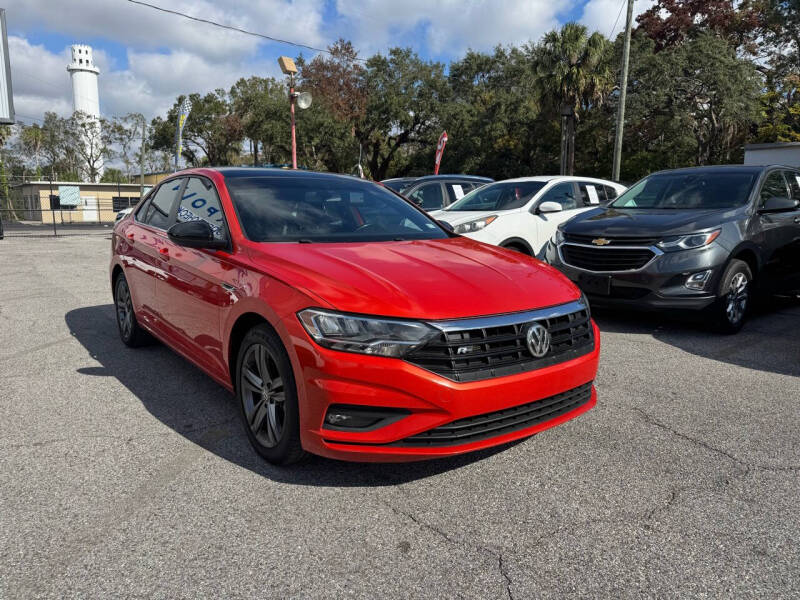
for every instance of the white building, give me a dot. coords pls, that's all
(86, 99)
(778, 153)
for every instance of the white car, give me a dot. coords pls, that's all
(522, 214)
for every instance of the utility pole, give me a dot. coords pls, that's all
(141, 159)
(623, 89)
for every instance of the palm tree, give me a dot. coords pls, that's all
(573, 73)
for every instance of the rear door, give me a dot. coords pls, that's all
(146, 238)
(194, 289)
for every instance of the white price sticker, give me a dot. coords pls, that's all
(458, 191)
(593, 197)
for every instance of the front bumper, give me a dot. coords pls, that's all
(327, 378)
(659, 285)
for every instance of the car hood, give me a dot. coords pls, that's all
(456, 217)
(645, 222)
(423, 279)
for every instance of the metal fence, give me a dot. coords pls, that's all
(60, 221)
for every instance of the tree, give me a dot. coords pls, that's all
(31, 145)
(212, 134)
(262, 106)
(125, 133)
(90, 139)
(573, 74)
(405, 95)
(112, 175)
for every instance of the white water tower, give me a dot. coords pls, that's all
(85, 95)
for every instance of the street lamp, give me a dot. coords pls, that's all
(303, 99)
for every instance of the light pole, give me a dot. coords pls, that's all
(303, 99)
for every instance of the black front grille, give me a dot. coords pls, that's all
(580, 238)
(606, 258)
(493, 424)
(483, 352)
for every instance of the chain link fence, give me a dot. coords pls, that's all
(53, 209)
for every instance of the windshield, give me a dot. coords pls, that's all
(499, 196)
(708, 190)
(312, 209)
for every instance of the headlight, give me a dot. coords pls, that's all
(365, 335)
(687, 242)
(475, 225)
(558, 237)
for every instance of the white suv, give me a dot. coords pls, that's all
(522, 214)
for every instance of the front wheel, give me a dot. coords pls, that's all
(267, 396)
(733, 299)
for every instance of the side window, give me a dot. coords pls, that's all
(793, 179)
(428, 196)
(774, 185)
(158, 209)
(201, 202)
(563, 194)
(611, 193)
(457, 190)
(592, 194)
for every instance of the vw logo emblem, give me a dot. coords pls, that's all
(538, 339)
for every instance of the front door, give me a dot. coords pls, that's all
(777, 230)
(193, 291)
(564, 194)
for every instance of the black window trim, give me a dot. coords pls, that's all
(149, 198)
(759, 187)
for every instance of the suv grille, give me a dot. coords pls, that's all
(606, 258)
(475, 353)
(493, 424)
(580, 238)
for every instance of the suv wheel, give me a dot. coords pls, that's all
(733, 299)
(267, 396)
(130, 331)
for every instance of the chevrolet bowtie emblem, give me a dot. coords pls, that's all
(600, 242)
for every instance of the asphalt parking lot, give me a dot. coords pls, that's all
(126, 472)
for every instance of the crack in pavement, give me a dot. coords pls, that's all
(496, 554)
(748, 466)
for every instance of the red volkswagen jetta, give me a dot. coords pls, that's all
(347, 322)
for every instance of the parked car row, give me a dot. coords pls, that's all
(434, 192)
(351, 323)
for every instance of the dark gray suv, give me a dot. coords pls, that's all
(694, 238)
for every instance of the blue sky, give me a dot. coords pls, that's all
(147, 58)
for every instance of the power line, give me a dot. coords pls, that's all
(232, 28)
(617, 19)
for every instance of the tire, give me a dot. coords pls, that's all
(130, 332)
(734, 297)
(270, 413)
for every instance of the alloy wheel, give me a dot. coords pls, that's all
(263, 395)
(737, 298)
(124, 309)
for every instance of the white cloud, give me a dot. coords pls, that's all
(452, 26)
(601, 15)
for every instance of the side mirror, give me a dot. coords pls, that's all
(779, 204)
(549, 207)
(195, 234)
(447, 226)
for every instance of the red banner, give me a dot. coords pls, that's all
(440, 151)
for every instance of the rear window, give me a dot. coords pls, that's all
(295, 209)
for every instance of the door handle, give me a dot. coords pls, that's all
(163, 251)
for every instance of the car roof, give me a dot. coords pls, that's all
(548, 178)
(464, 177)
(245, 172)
(720, 168)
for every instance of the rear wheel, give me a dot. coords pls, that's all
(267, 395)
(734, 297)
(130, 331)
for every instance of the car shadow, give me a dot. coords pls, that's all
(184, 399)
(769, 340)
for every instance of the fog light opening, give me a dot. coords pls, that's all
(698, 281)
(343, 417)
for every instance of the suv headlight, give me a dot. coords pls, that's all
(365, 335)
(476, 225)
(558, 238)
(687, 242)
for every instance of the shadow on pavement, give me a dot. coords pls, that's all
(769, 341)
(183, 398)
